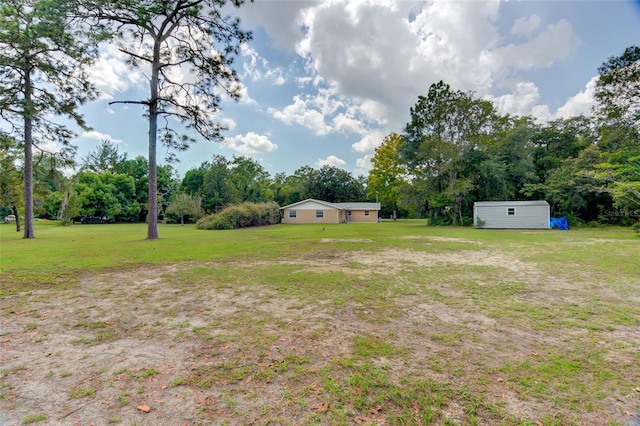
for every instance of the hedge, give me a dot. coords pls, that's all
(242, 216)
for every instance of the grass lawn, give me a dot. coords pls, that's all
(385, 323)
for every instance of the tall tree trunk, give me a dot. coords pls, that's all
(62, 214)
(152, 216)
(15, 213)
(28, 156)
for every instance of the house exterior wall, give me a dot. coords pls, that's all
(511, 214)
(304, 215)
(359, 216)
(305, 212)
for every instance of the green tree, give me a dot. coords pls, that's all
(445, 126)
(104, 194)
(217, 190)
(334, 185)
(188, 36)
(185, 205)
(618, 89)
(387, 174)
(250, 180)
(105, 158)
(10, 177)
(295, 187)
(43, 55)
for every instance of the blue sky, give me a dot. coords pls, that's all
(324, 82)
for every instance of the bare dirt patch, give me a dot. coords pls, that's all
(240, 353)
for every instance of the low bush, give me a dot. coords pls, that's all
(242, 216)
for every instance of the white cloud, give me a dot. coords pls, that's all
(581, 103)
(257, 68)
(525, 27)
(95, 135)
(331, 160)
(556, 43)
(521, 101)
(369, 142)
(250, 143)
(305, 112)
(363, 165)
(111, 74)
(346, 124)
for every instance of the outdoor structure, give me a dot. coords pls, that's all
(317, 211)
(511, 214)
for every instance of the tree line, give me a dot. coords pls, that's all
(455, 149)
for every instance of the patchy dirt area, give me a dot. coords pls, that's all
(181, 345)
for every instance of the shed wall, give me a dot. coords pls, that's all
(525, 217)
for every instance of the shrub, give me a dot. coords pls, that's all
(242, 216)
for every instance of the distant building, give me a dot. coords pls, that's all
(317, 211)
(511, 214)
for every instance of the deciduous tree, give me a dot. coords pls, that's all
(387, 174)
(185, 205)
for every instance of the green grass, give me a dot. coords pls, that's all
(428, 325)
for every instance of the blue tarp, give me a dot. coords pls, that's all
(559, 223)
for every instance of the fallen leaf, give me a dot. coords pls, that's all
(144, 408)
(321, 407)
(375, 409)
(500, 379)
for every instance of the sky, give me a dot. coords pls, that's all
(324, 82)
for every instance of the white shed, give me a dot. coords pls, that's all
(511, 214)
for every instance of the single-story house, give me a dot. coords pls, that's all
(317, 211)
(511, 214)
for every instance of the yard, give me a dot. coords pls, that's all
(379, 324)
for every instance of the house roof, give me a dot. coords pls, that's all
(337, 206)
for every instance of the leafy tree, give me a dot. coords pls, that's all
(445, 125)
(387, 174)
(185, 205)
(618, 89)
(183, 36)
(504, 163)
(295, 187)
(10, 177)
(193, 180)
(43, 54)
(334, 185)
(104, 194)
(105, 158)
(217, 190)
(250, 180)
(558, 140)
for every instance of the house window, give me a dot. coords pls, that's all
(319, 214)
(366, 212)
(349, 213)
(292, 214)
(511, 211)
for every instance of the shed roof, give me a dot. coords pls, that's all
(510, 203)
